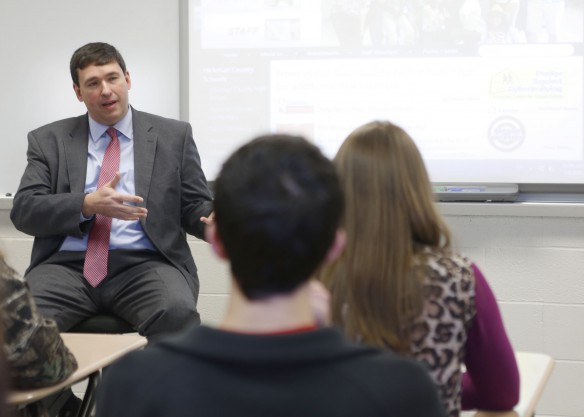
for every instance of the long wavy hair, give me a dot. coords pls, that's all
(390, 218)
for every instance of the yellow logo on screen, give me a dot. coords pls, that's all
(527, 83)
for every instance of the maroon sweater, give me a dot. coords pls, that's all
(491, 380)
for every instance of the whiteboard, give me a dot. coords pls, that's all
(37, 39)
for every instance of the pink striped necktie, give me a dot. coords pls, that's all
(95, 267)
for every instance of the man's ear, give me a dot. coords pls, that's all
(212, 236)
(77, 92)
(128, 79)
(337, 246)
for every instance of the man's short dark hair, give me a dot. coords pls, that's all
(96, 53)
(278, 204)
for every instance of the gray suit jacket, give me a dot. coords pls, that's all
(167, 173)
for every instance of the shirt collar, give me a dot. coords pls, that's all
(125, 126)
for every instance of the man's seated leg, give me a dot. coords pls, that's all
(151, 294)
(60, 290)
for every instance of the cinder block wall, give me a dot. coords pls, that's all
(533, 257)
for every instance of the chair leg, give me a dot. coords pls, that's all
(54, 403)
(89, 398)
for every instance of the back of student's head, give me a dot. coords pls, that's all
(383, 172)
(278, 205)
(390, 217)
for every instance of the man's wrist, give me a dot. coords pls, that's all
(86, 212)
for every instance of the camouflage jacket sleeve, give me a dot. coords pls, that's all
(36, 354)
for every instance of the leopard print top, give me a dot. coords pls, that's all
(439, 335)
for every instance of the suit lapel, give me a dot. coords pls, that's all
(144, 151)
(75, 145)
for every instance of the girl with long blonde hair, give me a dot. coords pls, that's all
(400, 285)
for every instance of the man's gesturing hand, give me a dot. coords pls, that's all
(107, 202)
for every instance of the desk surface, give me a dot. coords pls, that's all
(93, 352)
(96, 351)
(534, 372)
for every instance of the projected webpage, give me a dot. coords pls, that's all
(489, 91)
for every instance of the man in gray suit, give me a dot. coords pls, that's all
(156, 195)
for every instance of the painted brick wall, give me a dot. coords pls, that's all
(535, 266)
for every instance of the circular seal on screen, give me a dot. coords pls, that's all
(506, 133)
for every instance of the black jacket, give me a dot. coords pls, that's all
(208, 372)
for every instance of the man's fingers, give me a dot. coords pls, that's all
(209, 220)
(128, 198)
(135, 211)
(131, 213)
(114, 181)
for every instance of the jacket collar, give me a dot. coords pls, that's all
(293, 349)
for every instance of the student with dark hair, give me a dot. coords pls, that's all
(400, 285)
(278, 204)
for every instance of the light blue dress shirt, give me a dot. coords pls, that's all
(124, 234)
